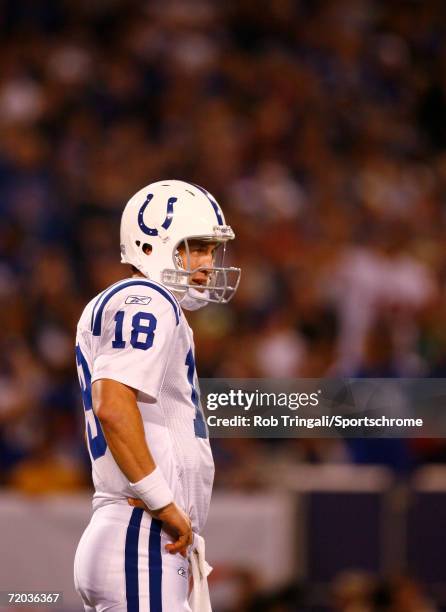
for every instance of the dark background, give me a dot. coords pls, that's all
(320, 126)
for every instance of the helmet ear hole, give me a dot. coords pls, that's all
(147, 248)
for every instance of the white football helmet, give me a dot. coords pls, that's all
(165, 215)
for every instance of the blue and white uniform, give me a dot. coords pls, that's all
(136, 333)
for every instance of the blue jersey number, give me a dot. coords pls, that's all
(199, 423)
(143, 330)
(95, 435)
(118, 342)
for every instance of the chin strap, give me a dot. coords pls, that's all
(191, 299)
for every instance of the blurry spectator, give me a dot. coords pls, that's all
(45, 471)
(353, 592)
(406, 595)
(373, 281)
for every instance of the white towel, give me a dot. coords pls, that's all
(199, 599)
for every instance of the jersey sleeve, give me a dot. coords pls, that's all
(133, 337)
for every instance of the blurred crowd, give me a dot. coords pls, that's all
(350, 591)
(320, 126)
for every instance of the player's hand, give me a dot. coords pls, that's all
(175, 522)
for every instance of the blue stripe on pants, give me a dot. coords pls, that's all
(155, 567)
(131, 560)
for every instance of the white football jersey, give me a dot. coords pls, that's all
(135, 332)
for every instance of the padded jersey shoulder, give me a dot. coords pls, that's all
(131, 293)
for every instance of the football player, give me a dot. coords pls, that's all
(152, 465)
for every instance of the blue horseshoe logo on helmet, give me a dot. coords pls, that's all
(152, 231)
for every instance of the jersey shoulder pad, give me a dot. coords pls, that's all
(130, 293)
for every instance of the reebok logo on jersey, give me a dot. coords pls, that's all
(137, 299)
(182, 572)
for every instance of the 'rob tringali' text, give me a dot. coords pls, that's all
(264, 421)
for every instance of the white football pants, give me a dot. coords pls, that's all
(121, 564)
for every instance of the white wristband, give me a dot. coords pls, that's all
(153, 490)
